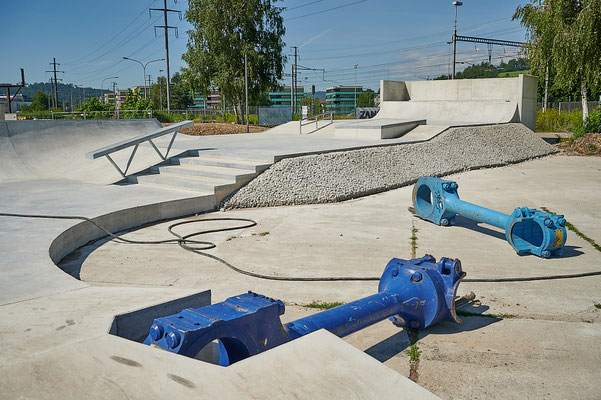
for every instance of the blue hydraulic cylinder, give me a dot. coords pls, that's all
(415, 293)
(527, 230)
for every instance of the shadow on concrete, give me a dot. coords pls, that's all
(463, 222)
(72, 263)
(397, 343)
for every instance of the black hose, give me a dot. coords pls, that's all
(196, 246)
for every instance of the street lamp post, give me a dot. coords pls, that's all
(456, 4)
(144, 71)
(102, 85)
(355, 110)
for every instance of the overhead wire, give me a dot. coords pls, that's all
(76, 61)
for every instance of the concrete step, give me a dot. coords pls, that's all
(177, 181)
(258, 165)
(194, 170)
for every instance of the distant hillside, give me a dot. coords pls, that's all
(485, 70)
(64, 91)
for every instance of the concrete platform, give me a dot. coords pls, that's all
(377, 128)
(542, 338)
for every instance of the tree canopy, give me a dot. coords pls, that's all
(224, 31)
(564, 42)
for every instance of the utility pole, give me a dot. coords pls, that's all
(456, 4)
(246, 88)
(294, 79)
(160, 90)
(149, 84)
(292, 92)
(355, 110)
(55, 87)
(165, 10)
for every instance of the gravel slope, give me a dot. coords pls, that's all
(332, 177)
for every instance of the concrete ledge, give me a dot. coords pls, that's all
(384, 128)
(134, 325)
(116, 221)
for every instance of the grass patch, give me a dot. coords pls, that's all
(231, 238)
(261, 234)
(464, 313)
(572, 228)
(552, 120)
(323, 305)
(598, 306)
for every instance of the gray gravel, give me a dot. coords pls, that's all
(332, 177)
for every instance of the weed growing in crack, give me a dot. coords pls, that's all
(414, 353)
(323, 305)
(413, 238)
(576, 231)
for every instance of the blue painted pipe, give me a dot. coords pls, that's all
(415, 293)
(527, 230)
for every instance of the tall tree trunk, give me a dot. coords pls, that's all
(236, 113)
(546, 100)
(584, 101)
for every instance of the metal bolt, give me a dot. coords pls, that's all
(416, 277)
(548, 222)
(546, 254)
(156, 332)
(172, 340)
(395, 272)
(444, 222)
(561, 222)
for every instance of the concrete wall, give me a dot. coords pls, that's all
(520, 90)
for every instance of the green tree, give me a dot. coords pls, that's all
(313, 103)
(564, 43)
(39, 102)
(365, 99)
(136, 101)
(95, 109)
(224, 31)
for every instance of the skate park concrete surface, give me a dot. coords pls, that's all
(54, 337)
(55, 342)
(539, 339)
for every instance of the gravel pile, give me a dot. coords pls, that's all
(332, 177)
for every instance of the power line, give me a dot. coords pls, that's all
(76, 61)
(302, 5)
(324, 11)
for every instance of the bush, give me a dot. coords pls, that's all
(554, 121)
(591, 125)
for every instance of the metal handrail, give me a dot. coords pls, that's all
(136, 141)
(316, 117)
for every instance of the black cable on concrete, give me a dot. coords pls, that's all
(192, 245)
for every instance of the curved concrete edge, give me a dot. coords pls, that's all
(116, 221)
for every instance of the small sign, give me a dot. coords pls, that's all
(305, 112)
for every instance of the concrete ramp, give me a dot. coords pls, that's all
(441, 104)
(55, 148)
(451, 113)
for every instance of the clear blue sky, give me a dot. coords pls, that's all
(388, 39)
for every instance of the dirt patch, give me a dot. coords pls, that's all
(587, 145)
(217, 128)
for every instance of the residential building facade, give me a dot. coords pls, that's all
(211, 102)
(281, 97)
(341, 99)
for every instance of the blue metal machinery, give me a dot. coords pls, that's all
(415, 293)
(527, 230)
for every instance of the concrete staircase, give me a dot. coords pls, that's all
(203, 173)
